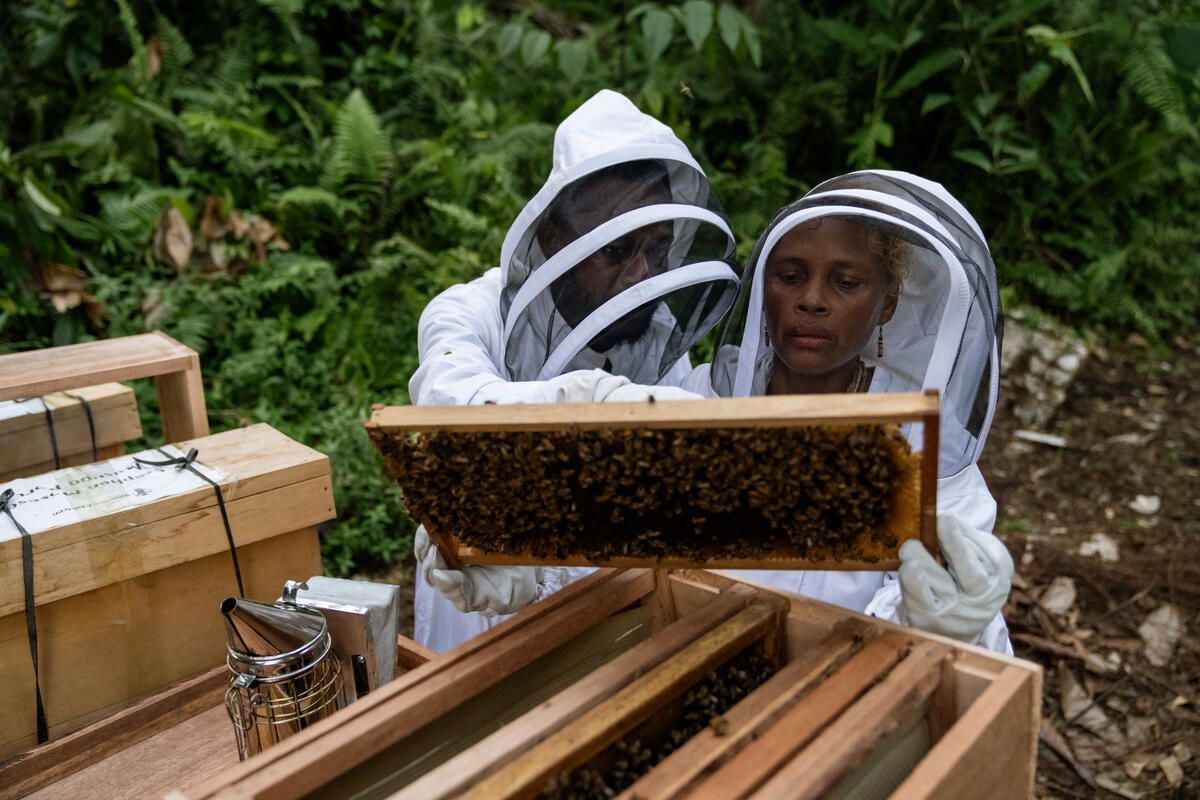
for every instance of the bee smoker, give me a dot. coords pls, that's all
(362, 619)
(285, 674)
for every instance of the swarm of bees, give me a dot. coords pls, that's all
(811, 492)
(638, 752)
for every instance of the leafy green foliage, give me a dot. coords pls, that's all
(339, 162)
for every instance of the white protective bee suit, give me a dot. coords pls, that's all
(945, 335)
(626, 221)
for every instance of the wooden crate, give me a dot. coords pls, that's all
(174, 366)
(25, 446)
(855, 707)
(173, 739)
(912, 507)
(127, 603)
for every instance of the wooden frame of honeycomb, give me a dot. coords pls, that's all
(780, 482)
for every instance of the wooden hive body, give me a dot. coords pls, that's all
(126, 602)
(25, 443)
(855, 707)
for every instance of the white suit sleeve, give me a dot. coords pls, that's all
(458, 343)
(965, 495)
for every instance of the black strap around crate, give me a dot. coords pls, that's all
(185, 462)
(87, 409)
(43, 731)
(50, 430)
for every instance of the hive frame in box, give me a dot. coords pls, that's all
(750, 412)
(977, 712)
(150, 355)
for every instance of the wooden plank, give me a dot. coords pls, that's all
(661, 602)
(506, 744)
(184, 754)
(470, 555)
(708, 750)
(847, 743)
(105, 649)
(990, 752)
(181, 403)
(256, 459)
(410, 654)
(726, 412)
(54, 369)
(588, 735)
(814, 712)
(127, 553)
(310, 759)
(55, 760)
(931, 434)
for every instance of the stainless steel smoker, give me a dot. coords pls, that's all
(285, 674)
(322, 645)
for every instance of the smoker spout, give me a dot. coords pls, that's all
(257, 629)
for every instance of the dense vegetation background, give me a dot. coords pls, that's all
(284, 184)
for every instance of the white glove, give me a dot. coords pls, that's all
(958, 600)
(489, 590)
(587, 386)
(636, 393)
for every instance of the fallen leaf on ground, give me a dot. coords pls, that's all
(1160, 632)
(1146, 504)
(1134, 765)
(1114, 784)
(1182, 752)
(1079, 709)
(1138, 731)
(1171, 770)
(1059, 596)
(1102, 545)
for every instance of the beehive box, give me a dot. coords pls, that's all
(814, 482)
(654, 685)
(26, 447)
(126, 602)
(174, 739)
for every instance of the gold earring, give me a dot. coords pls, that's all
(879, 347)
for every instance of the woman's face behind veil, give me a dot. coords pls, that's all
(826, 288)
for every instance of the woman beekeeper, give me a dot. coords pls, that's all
(882, 282)
(607, 277)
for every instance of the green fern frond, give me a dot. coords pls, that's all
(129, 23)
(311, 197)
(177, 52)
(1149, 71)
(361, 149)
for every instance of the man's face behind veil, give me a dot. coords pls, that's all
(616, 265)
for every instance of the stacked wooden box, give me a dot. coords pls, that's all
(127, 603)
(26, 446)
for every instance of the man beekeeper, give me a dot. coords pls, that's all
(614, 269)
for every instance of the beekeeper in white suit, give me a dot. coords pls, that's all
(882, 281)
(614, 269)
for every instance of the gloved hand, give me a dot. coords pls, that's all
(489, 590)
(587, 386)
(960, 599)
(636, 393)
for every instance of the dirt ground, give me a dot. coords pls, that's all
(1105, 530)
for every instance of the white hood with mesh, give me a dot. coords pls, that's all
(946, 331)
(616, 173)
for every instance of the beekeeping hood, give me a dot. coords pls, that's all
(622, 260)
(946, 331)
